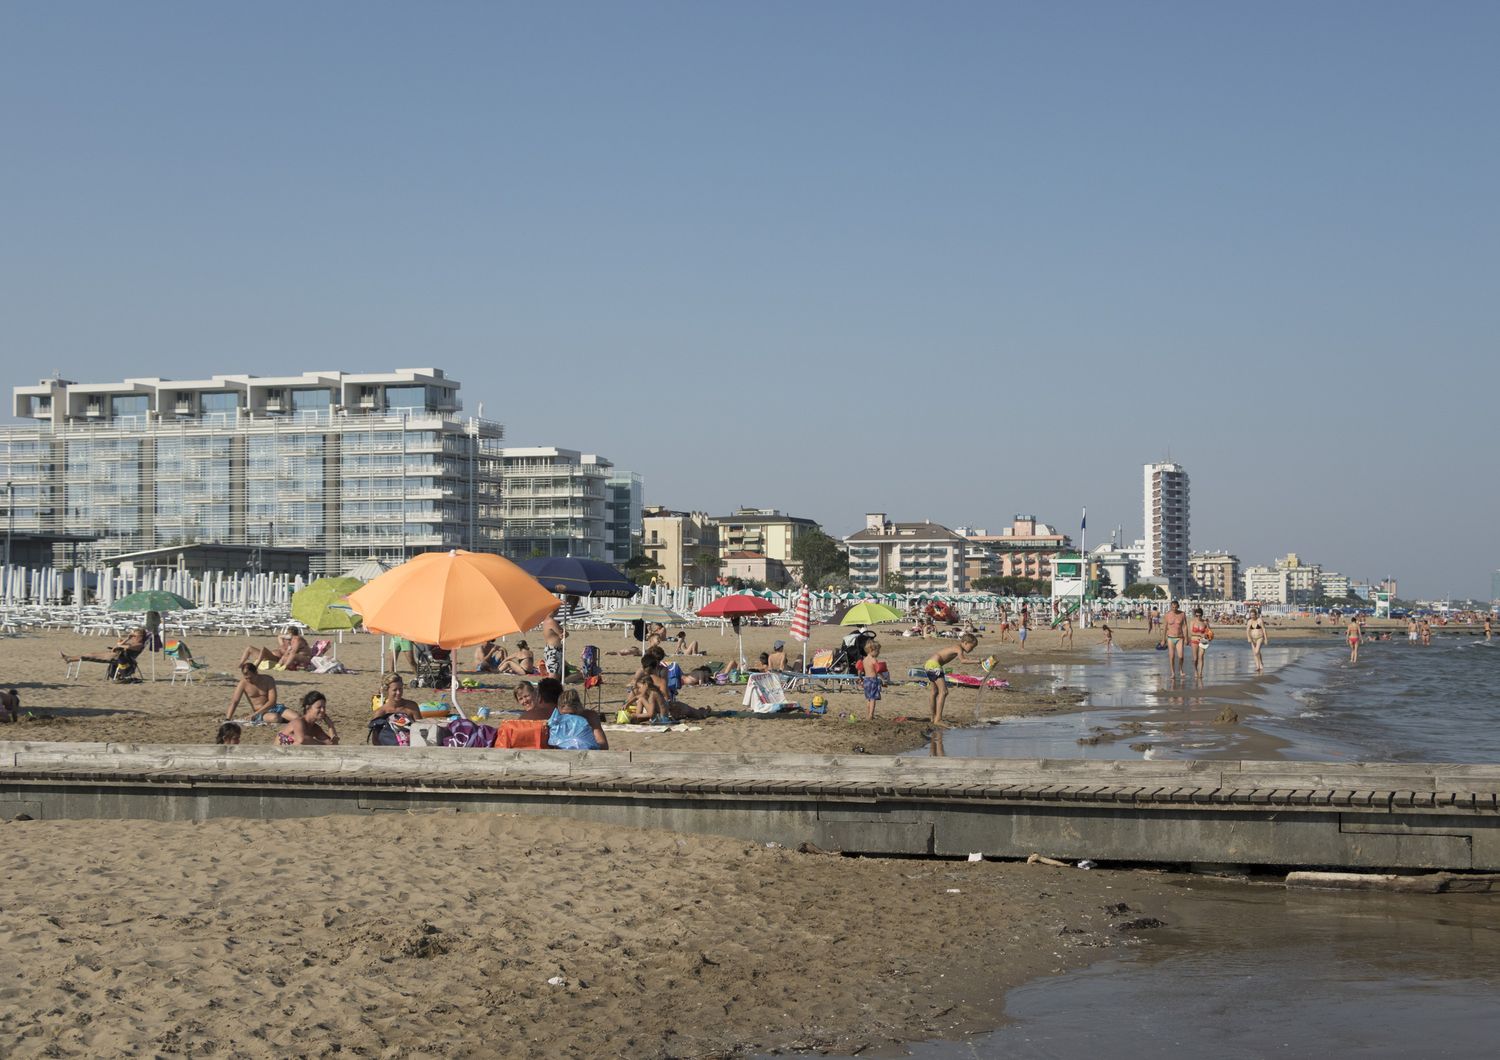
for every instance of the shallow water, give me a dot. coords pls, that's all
(1252, 971)
(1401, 702)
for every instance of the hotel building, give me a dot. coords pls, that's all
(928, 557)
(1167, 526)
(1216, 576)
(347, 466)
(1025, 549)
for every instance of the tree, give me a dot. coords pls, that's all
(1146, 591)
(821, 558)
(706, 562)
(641, 567)
(894, 582)
(1106, 586)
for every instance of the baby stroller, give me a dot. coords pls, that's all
(434, 667)
(850, 651)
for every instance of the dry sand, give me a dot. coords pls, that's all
(436, 935)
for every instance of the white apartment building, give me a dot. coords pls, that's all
(1166, 511)
(555, 502)
(346, 465)
(1335, 586)
(928, 557)
(1265, 585)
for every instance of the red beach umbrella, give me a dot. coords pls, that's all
(741, 605)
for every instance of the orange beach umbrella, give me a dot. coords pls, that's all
(453, 599)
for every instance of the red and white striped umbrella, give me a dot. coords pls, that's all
(802, 621)
(802, 614)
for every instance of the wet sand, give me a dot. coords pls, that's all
(437, 935)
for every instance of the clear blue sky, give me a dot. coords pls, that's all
(947, 261)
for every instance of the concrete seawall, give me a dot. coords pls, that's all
(1293, 814)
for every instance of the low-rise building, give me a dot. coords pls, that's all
(683, 545)
(767, 531)
(1025, 549)
(928, 557)
(754, 567)
(1115, 567)
(1216, 575)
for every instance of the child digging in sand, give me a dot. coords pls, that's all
(937, 680)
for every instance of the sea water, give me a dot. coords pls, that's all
(1254, 971)
(1401, 702)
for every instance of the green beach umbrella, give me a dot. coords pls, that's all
(867, 614)
(320, 606)
(152, 600)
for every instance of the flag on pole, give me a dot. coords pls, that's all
(1085, 524)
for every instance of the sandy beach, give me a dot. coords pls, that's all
(92, 709)
(437, 935)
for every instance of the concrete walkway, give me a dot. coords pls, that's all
(1291, 814)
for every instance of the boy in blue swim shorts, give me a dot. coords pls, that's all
(876, 674)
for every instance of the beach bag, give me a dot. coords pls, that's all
(382, 733)
(590, 661)
(674, 680)
(570, 732)
(429, 734)
(465, 733)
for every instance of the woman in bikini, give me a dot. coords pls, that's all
(312, 726)
(1255, 633)
(1353, 633)
(1199, 634)
(393, 699)
(937, 679)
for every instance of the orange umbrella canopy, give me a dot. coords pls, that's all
(453, 599)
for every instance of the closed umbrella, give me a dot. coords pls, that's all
(741, 605)
(802, 621)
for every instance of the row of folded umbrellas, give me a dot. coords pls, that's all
(459, 598)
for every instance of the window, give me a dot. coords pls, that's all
(406, 397)
(131, 405)
(310, 400)
(219, 401)
(41, 405)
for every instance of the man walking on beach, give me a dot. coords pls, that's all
(1174, 626)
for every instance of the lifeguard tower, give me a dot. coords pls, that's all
(1069, 585)
(1382, 604)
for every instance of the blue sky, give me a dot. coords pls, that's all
(948, 261)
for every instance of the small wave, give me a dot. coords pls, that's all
(1309, 696)
(1312, 714)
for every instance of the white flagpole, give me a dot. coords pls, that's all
(1083, 546)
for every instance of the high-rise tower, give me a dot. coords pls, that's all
(1167, 525)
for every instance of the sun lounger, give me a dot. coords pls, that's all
(816, 682)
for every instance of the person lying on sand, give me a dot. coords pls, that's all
(292, 652)
(259, 689)
(683, 646)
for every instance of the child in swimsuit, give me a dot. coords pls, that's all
(876, 674)
(937, 681)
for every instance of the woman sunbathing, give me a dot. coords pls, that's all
(522, 663)
(121, 656)
(309, 727)
(393, 699)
